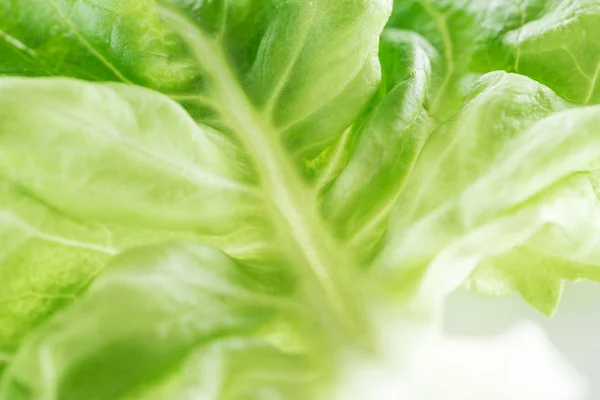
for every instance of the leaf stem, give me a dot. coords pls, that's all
(290, 200)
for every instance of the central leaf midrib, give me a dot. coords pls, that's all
(285, 190)
(296, 212)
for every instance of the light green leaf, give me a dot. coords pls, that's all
(563, 249)
(537, 275)
(481, 207)
(308, 90)
(173, 299)
(560, 49)
(316, 88)
(46, 260)
(91, 39)
(237, 369)
(502, 107)
(468, 36)
(132, 164)
(105, 147)
(104, 179)
(335, 168)
(435, 20)
(387, 144)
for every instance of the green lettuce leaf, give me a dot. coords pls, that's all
(46, 260)
(542, 178)
(386, 145)
(121, 186)
(270, 199)
(465, 35)
(559, 49)
(93, 40)
(549, 41)
(176, 299)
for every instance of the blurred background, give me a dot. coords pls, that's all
(574, 329)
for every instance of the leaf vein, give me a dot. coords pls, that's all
(87, 44)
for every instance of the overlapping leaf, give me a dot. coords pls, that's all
(331, 166)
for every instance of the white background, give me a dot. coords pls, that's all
(574, 329)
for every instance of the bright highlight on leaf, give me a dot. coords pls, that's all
(269, 200)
